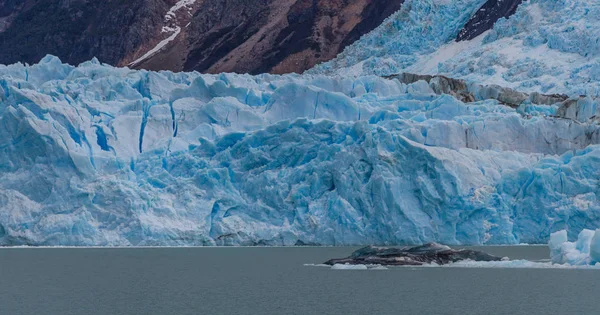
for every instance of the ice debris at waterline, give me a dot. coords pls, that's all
(431, 253)
(502, 264)
(96, 155)
(584, 251)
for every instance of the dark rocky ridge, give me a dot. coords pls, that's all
(487, 16)
(277, 36)
(77, 30)
(471, 92)
(271, 36)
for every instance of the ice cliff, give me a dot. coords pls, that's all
(547, 46)
(96, 155)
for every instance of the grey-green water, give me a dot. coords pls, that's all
(275, 281)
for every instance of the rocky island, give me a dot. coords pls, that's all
(431, 253)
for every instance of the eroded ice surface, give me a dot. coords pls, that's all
(96, 155)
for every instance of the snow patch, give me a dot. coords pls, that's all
(159, 46)
(181, 4)
(171, 26)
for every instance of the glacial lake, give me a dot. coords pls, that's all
(276, 281)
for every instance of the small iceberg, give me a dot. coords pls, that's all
(349, 267)
(584, 251)
(357, 267)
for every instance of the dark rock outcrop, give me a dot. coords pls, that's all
(581, 109)
(471, 92)
(487, 16)
(412, 256)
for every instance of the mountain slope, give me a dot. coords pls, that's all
(270, 36)
(208, 36)
(77, 30)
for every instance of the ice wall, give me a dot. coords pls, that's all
(96, 155)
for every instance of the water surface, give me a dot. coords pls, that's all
(275, 281)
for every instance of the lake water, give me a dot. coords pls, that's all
(275, 281)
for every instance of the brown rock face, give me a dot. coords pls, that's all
(280, 36)
(77, 30)
(244, 36)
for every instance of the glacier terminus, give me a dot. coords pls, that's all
(96, 155)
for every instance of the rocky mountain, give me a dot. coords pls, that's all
(209, 36)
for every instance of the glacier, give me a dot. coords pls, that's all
(104, 156)
(547, 46)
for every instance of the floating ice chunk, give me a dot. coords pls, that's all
(379, 268)
(584, 251)
(349, 267)
(595, 248)
(555, 244)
